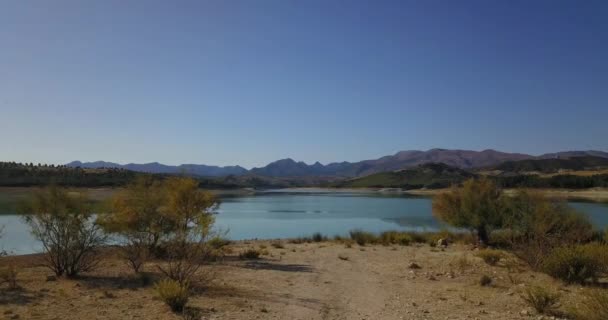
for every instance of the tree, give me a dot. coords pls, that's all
(135, 214)
(62, 222)
(477, 205)
(191, 211)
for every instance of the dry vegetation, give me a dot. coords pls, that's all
(314, 280)
(544, 260)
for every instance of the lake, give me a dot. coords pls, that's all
(288, 214)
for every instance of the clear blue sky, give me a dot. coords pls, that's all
(248, 82)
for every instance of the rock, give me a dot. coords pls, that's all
(524, 312)
(442, 242)
(51, 278)
(413, 265)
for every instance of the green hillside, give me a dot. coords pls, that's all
(430, 175)
(551, 165)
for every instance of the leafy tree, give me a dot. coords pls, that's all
(190, 209)
(62, 222)
(477, 205)
(136, 214)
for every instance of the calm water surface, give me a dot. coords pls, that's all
(287, 215)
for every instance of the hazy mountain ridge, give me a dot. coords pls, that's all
(155, 167)
(464, 159)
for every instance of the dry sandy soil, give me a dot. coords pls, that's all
(326, 280)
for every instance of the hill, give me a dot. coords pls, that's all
(551, 165)
(430, 175)
(155, 167)
(289, 168)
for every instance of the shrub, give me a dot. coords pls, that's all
(594, 306)
(8, 275)
(477, 206)
(538, 225)
(190, 212)
(136, 214)
(489, 256)
(318, 237)
(574, 264)
(250, 254)
(362, 238)
(62, 222)
(485, 281)
(278, 245)
(394, 237)
(173, 293)
(541, 299)
(135, 253)
(218, 242)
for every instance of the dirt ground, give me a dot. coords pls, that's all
(326, 280)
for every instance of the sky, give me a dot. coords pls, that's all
(249, 82)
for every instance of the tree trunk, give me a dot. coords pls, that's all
(482, 235)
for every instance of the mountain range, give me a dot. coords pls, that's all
(465, 159)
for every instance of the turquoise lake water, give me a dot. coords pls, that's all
(288, 215)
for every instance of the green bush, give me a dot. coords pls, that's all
(250, 254)
(541, 299)
(594, 306)
(573, 264)
(174, 294)
(489, 256)
(362, 238)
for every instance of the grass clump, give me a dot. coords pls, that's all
(394, 237)
(278, 245)
(250, 254)
(218, 242)
(319, 237)
(541, 299)
(8, 275)
(362, 237)
(574, 264)
(490, 256)
(174, 294)
(594, 306)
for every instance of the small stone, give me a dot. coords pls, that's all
(414, 265)
(51, 278)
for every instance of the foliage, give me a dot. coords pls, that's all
(429, 175)
(395, 237)
(541, 299)
(8, 275)
(477, 206)
(318, 237)
(594, 305)
(63, 223)
(136, 215)
(362, 237)
(218, 242)
(538, 224)
(489, 256)
(173, 293)
(14, 174)
(250, 254)
(190, 212)
(573, 264)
